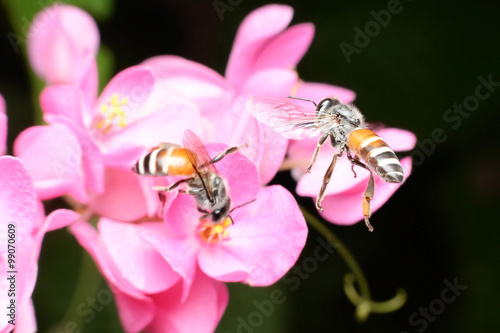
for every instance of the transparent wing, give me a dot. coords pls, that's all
(290, 120)
(199, 158)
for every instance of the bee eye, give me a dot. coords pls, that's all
(324, 103)
(216, 214)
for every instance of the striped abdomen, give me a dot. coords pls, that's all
(377, 154)
(171, 161)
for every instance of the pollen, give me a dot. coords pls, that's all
(212, 233)
(112, 114)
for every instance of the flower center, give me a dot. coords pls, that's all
(112, 113)
(212, 233)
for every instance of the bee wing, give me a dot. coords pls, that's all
(290, 120)
(200, 159)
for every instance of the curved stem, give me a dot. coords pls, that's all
(364, 304)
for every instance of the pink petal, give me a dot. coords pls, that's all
(124, 157)
(240, 173)
(232, 269)
(3, 125)
(207, 88)
(93, 163)
(135, 312)
(63, 100)
(275, 82)
(244, 129)
(136, 260)
(28, 322)
(122, 198)
(318, 91)
(134, 83)
(287, 48)
(17, 200)
(165, 125)
(267, 238)
(266, 148)
(200, 312)
(89, 85)
(53, 156)
(61, 41)
(61, 218)
(89, 239)
(179, 251)
(255, 31)
(274, 151)
(345, 208)
(181, 215)
(398, 139)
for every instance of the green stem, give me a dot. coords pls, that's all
(364, 304)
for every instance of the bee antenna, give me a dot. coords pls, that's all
(303, 99)
(232, 221)
(246, 203)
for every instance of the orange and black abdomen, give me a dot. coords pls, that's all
(171, 161)
(377, 155)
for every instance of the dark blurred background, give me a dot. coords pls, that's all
(442, 225)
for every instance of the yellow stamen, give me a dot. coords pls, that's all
(214, 233)
(112, 113)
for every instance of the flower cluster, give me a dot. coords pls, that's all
(165, 267)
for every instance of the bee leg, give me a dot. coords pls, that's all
(228, 151)
(321, 142)
(205, 213)
(369, 191)
(365, 203)
(163, 199)
(354, 161)
(326, 180)
(173, 186)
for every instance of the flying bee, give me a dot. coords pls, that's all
(345, 127)
(203, 181)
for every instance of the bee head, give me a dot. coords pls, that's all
(219, 214)
(327, 104)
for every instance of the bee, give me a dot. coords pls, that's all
(344, 126)
(203, 181)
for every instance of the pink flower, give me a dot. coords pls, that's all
(91, 141)
(262, 245)
(342, 203)
(147, 291)
(22, 217)
(63, 41)
(262, 62)
(86, 138)
(158, 270)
